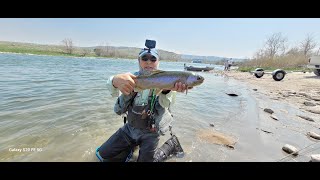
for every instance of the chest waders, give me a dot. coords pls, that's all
(171, 146)
(142, 117)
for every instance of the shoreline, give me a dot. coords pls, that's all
(89, 57)
(296, 96)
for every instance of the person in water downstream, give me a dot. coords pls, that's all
(147, 112)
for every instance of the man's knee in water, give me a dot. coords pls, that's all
(116, 148)
(147, 147)
(123, 156)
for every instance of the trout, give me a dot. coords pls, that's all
(166, 80)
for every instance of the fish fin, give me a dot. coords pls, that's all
(149, 73)
(157, 72)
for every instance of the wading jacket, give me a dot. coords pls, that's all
(136, 106)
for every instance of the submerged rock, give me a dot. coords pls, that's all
(316, 98)
(232, 94)
(285, 94)
(306, 118)
(230, 146)
(290, 149)
(308, 103)
(304, 94)
(292, 92)
(315, 158)
(275, 98)
(315, 110)
(274, 117)
(313, 135)
(264, 131)
(268, 110)
(285, 111)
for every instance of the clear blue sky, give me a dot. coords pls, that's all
(227, 37)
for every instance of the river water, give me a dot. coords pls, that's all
(56, 108)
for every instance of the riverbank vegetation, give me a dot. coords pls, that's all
(277, 53)
(67, 48)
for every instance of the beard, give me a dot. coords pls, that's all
(146, 70)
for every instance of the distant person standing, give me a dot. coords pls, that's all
(226, 65)
(229, 64)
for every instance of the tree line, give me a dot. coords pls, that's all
(277, 53)
(111, 51)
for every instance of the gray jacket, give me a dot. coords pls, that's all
(163, 116)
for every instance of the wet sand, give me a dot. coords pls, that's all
(212, 136)
(295, 102)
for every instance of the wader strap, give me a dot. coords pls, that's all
(153, 101)
(131, 101)
(152, 121)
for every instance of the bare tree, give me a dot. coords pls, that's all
(293, 51)
(98, 51)
(307, 45)
(275, 44)
(85, 52)
(259, 54)
(68, 45)
(101, 50)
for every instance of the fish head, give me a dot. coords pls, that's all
(194, 80)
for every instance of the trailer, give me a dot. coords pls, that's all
(277, 74)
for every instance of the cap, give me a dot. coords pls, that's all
(153, 52)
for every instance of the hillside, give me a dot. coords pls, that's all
(207, 58)
(98, 51)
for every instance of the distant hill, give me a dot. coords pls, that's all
(95, 51)
(101, 51)
(207, 58)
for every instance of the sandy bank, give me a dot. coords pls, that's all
(296, 88)
(296, 104)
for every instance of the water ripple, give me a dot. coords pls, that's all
(62, 105)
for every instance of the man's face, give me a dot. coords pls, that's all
(148, 62)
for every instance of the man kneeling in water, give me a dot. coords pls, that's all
(148, 113)
(170, 147)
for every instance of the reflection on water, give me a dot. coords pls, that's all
(61, 105)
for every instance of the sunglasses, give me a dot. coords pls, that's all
(145, 58)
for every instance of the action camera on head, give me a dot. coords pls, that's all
(150, 44)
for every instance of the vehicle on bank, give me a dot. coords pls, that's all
(314, 63)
